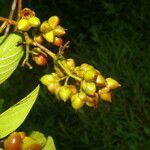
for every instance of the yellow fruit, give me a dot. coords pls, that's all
(49, 36)
(53, 21)
(106, 96)
(53, 87)
(49, 78)
(30, 144)
(100, 81)
(88, 87)
(78, 100)
(64, 93)
(59, 31)
(90, 75)
(38, 38)
(112, 84)
(34, 22)
(71, 64)
(23, 25)
(45, 27)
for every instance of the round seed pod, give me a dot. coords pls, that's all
(88, 87)
(13, 142)
(34, 22)
(64, 93)
(23, 25)
(53, 21)
(112, 84)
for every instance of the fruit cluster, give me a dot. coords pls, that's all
(19, 141)
(87, 87)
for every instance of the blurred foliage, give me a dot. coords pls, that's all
(114, 37)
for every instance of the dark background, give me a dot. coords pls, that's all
(113, 36)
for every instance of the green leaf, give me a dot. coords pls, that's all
(2, 39)
(39, 137)
(10, 55)
(13, 117)
(49, 144)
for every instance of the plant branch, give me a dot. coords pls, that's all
(13, 7)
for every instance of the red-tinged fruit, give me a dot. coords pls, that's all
(40, 59)
(58, 41)
(13, 142)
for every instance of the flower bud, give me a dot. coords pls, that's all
(59, 31)
(112, 84)
(30, 144)
(78, 100)
(45, 27)
(13, 142)
(49, 78)
(100, 81)
(53, 87)
(88, 87)
(53, 21)
(23, 25)
(90, 75)
(40, 59)
(34, 22)
(64, 93)
(58, 41)
(49, 36)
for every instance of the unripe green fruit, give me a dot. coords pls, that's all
(49, 36)
(53, 21)
(78, 100)
(64, 93)
(88, 87)
(30, 144)
(112, 84)
(49, 78)
(53, 87)
(34, 22)
(59, 31)
(100, 81)
(13, 142)
(23, 25)
(45, 27)
(90, 75)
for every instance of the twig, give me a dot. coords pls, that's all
(19, 12)
(13, 7)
